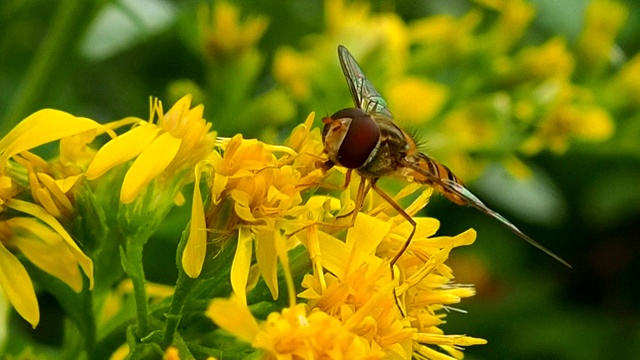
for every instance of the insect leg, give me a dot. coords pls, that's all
(408, 217)
(404, 214)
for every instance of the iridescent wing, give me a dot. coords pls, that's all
(364, 94)
(459, 194)
(474, 202)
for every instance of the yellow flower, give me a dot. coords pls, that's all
(416, 100)
(223, 35)
(444, 38)
(355, 315)
(51, 193)
(426, 290)
(551, 60)
(587, 122)
(36, 232)
(381, 34)
(625, 86)
(293, 70)
(295, 333)
(603, 21)
(264, 193)
(515, 16)
(351, 309)
(177, 142)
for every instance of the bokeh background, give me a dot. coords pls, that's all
(533, 103)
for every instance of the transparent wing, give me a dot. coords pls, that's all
(364, 94)
(448, 187)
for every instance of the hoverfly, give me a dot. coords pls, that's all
(366, 139)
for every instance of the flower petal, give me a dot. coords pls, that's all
(121, 149)
(46, 249)
(367, 233)
(266, 257)
(52, 186)
(196, 248)
(149, 164)
(16, 283)
(242, 264)
(234, 316)
(67, 183)
(34, 210)
(40, 128)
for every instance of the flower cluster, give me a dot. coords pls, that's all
(269, 198)
(37, 200)
(350, 303)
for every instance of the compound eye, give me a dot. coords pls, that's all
(360, 141)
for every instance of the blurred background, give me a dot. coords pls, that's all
(535, 104)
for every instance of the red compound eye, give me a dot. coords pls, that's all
(361, 139)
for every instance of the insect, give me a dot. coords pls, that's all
(367, 140)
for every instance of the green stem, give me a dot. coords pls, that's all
(184, 285)
(68, 25)
(135, 270)
(87, 304)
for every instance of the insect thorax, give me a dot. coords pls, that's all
(392, 148)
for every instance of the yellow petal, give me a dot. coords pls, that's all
(219, 185)
(47, 250)
(121, 149)
(280, 244)
(176, 112)
(596, 125)
(57, 193)
(67, 183)
(149, 164)
(425, 227)
(44, 198)
(40, 128)
(196, 248)
(179, 199)
(17, 285)
(335, 254)
(367, 233)
(369, 307)
(466, 238)
(234, 316)
(34, 210)
(242, 205)
(241, 264)
(266, 257)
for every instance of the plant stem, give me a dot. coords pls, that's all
(135, 270)
(182, 289)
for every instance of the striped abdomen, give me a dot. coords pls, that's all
(425, 170)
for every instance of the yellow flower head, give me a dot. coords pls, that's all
(573, 117)
(360, 293)
(354, 25)
(35, 230)
(603, 21)
(162, 151)
(223, 35)
(354, 314)
(351, 309)
(262, 184)
(416, 100)
(551, 60)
